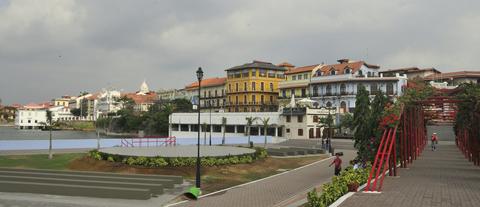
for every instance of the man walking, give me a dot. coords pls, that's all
(338, 164)
(434, 141)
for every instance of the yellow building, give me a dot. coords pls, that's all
(62, 101)
(296, 82)
(253, 87)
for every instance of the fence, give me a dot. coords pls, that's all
(149, 141)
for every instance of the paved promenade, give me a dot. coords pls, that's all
(275, 191)
(440, 178)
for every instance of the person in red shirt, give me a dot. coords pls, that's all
(434, 141)
(338, 164)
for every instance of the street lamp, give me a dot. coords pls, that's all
(199, 77)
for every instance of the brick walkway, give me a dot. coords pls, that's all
(273, 191)
(440, 178)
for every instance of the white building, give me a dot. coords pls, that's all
(31, 116)
(304, 122)
(336, 85)
(185, 125)
(107, 102)
(61, 113)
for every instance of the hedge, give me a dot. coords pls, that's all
(260, 153)
(338, 187)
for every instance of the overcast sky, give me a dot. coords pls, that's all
(50, 48)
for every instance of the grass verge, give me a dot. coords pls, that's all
(40, 161)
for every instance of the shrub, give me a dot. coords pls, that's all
(338, 187)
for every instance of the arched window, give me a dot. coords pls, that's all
(329, 104)
(360, 73)
(347, 70)
(315, 91)
(369, 74)
(343, 89)
(359, 86)
(329, 90)
(332, 72)
(245, 86)
(390, 88)
(343, 107)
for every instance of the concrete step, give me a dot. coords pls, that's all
(75, 190)
(164, 182)
(175, 179)
(156, 189)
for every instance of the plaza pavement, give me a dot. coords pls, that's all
(440, 178)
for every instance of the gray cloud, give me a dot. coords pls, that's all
(54, 47)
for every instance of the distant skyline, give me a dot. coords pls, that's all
(51, 48)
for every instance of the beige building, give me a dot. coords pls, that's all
(296, 83)
(412, 72)
(212, 95)
(304, 122)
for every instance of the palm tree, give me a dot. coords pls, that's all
(265, 127)
(49, 122)
(250, 121)
(224, 125)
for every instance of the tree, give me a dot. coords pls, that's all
(265, 129)
(49, 122)
(250, 121)
(127, 103)
(360, 121)
(224, 125)
(327, 123)
(376, 113)
(346, 121)
(182, 105)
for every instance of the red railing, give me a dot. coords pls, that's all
(412, 141)
(469, 145)
(148, 141)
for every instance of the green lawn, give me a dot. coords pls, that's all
(59, 161)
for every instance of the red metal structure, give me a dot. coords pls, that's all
(409, 136)
(148, 141)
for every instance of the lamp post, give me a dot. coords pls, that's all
(197, 177)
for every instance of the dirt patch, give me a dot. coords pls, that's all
(213, 178)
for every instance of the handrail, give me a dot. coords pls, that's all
(148, 141)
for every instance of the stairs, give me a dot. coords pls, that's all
(88, 184)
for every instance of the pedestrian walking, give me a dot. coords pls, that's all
(338, 164)
(434, 140)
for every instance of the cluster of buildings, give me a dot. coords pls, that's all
(293, 99)
(85, 107)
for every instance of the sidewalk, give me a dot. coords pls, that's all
(440, 178)
(274, 191)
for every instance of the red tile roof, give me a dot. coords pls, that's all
(410, 69)
(208, 82)
(301, 69)
(286, 65)
(140, 99)
(457, 74)
(354, 66)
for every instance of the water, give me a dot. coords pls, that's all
(13, 139)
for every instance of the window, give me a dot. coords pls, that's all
(271, 87)
(315, 118)
(299, 119)
(253, 99)
(254, 72)
(271, 74)
(263, 73)
(230, 87)
(288, 118)
(271, 99)
(304, 92)
(262, 100)
(369, 74)
(245, 86)
(294, 77)
(332, 72)
(299, 77)
(209, 93)
(230, 128)
(292, 92)
(329, 104)
(236, 99)
(389, 88)
(237, 74)
(205, 94)
(373, 88)
(284, 93)
(244, 99)
(347, 70)
(360, 73)
(245, 73)
(287, 130)
(262, 86)
(236, 86)
(29, 121)
(343, 107)
(359, 86)
(343, 89)
(315, 90)
(305, 76)
(329, 90)
(253, 86)
(300, 132)
(216, 94)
